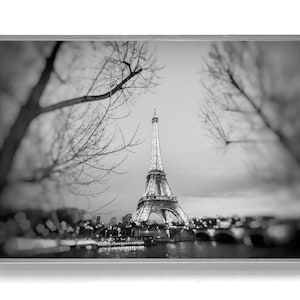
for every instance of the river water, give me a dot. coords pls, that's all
(191, 249)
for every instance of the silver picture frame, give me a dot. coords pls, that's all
(101, 267)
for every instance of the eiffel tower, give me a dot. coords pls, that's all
(158, 197)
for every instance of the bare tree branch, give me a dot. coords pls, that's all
(85, 99)
(251, 97)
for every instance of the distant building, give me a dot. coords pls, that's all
(126, 219)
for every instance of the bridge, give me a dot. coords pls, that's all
(249, 237)
(232, 235)
(262, 236)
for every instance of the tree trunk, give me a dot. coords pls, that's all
(27, 113)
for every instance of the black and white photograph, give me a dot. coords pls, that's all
(150, 148)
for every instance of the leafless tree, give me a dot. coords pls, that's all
(252, 97)
(60, 106)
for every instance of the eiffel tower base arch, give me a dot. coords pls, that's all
(164, 208)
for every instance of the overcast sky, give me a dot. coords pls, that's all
(207, 182)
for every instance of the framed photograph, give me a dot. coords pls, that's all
(116, 148)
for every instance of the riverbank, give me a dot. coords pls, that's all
(137, 249)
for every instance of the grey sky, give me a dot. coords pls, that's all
(206, 182)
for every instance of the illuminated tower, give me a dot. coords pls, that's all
(158, 197)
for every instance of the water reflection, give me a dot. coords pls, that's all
(192, 249)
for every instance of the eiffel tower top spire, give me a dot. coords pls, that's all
(156, 160)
